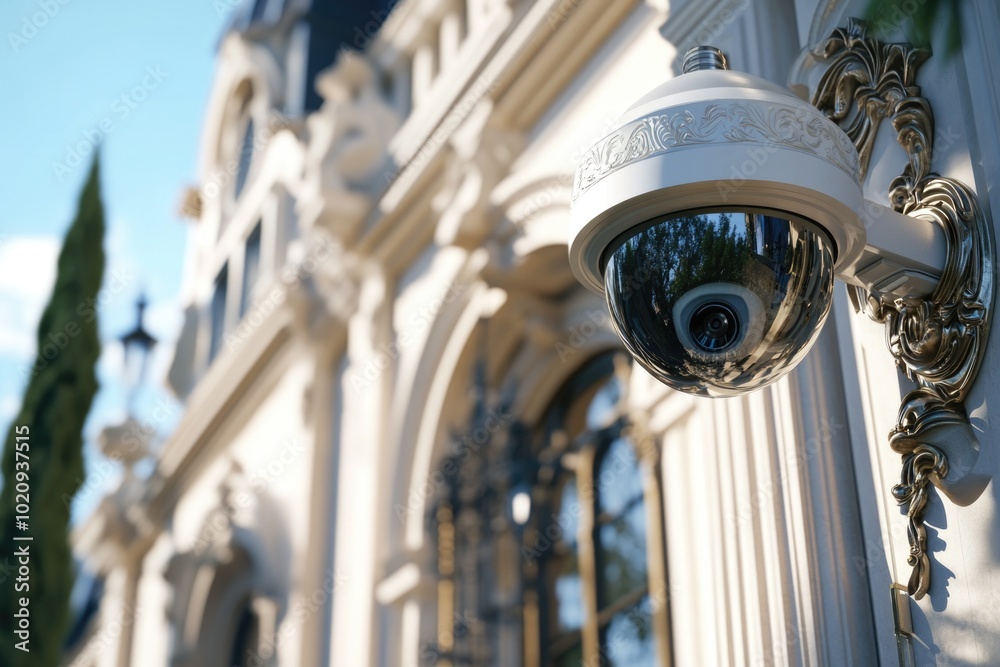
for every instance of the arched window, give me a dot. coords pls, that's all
(245, 158)
(598, 532)
(217, 313)
(549, 539)
(238, 146)
(238, 141)
(621, 553)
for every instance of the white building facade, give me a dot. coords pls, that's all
(412, 438)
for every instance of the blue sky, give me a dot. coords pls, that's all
(138, 76)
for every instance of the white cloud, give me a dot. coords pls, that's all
(9, 405)
(27, 273)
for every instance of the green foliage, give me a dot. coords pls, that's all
(55, 405)
(918, 19)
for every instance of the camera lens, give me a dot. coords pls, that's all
(720, 303)
(714, 327)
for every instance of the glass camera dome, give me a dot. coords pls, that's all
(720, 303)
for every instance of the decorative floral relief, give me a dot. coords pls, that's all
(735, 122)
(867, 81)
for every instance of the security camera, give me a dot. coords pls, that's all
(715, 218)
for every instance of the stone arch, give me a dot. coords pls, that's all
(524, 352)
(206, 614)
(244, 67)
(230, 571)
(521, 281)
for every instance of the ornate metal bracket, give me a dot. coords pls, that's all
(939, 342)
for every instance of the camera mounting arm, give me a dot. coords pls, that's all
(903, 256)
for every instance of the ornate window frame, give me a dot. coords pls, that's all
(515, 462)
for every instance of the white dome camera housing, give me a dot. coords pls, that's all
(714, 219)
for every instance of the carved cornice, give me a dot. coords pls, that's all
(723, 122)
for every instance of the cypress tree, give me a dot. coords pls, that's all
(61, 387)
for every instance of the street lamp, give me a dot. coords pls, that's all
(128, 442)
(137, 345)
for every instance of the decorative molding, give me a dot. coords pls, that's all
(868, 81)
(920, 466)
(482, 155)
(229, 559)
(939, 342)
(330, 281)
(347, 148)
(727, 121)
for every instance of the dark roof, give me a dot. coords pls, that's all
(334, 25)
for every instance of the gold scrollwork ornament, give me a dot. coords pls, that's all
(939, 341)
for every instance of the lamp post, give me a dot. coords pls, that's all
(137, 345)
(128, 442)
